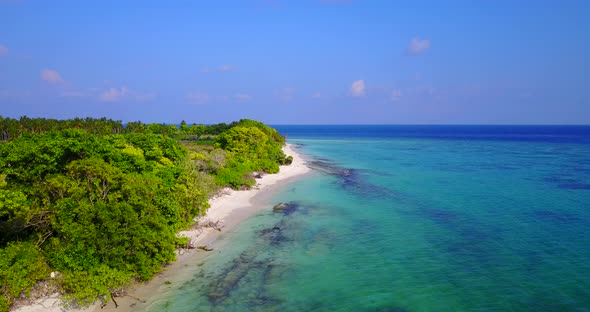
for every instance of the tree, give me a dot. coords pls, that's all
(101, 203)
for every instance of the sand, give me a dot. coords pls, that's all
(229, 208)
(232, 206)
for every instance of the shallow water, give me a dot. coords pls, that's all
(422, 222)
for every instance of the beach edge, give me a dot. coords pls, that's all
(230, 208)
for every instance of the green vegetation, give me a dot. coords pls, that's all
(100, 202)
(254, 147)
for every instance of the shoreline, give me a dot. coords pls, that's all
(230, 208)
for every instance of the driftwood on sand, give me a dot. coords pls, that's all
(208, 223)
(205, 248)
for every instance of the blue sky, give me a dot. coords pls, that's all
(298, 62)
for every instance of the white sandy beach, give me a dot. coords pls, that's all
(230, 208)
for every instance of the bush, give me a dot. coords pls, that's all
(103, 208)
(252, 147)
(235, 175)
(83, 287)
(288, 160)
(21, 267)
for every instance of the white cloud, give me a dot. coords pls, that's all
(198, 97)
(114, 94)
(3, 50)
(418, 46)
(316, 95)
(242, 97)
(358, 88)
(226, 68)
(51, 76)
(221, 69)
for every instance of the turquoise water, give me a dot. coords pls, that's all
(388, 222)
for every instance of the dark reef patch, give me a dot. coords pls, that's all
(468, 239)
(353, 180)
(567, 182)
(556, 216)
(328, 167)
(220, 287)
(276, 235)
(440, 215)
(385, 309)
(256, 266)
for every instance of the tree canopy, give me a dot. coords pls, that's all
(100, 202)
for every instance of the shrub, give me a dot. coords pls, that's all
(288, 160)
(103, 208)
(21, 267)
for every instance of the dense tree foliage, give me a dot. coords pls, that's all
(240, 149)
(11, 128)
(102, 207)
(253, 146)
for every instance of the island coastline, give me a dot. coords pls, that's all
(229, 208)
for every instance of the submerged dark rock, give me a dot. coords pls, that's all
(286, 208)
(271, 230)
(274, 236)
(280, 206)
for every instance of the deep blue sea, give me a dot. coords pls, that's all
(412, 218)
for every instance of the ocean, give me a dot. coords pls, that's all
(412, 218)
